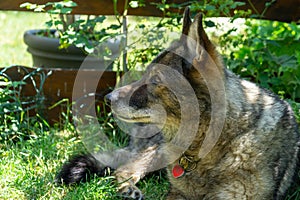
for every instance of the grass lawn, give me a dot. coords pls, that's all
(13, 25)
(28, 171)
(28, 167)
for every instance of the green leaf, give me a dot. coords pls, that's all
(39, 8)
(57, 23)
(29, 6)
(114, 26)
(134, 4)
(210, 7)
(60, 11)
(268, 4)
(240, 3)
(70, 4)
(89, 49)
(66, 10)
(237, 4)
(100, 19)
(34, 7)
(209, 23)
(49, 4)
(49, 23)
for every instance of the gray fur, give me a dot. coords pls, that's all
(253, 156)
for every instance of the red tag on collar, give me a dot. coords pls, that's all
(177, 171)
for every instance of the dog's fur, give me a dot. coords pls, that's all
(255, 155)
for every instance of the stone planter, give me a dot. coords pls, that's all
(64, 65)
(46, 54)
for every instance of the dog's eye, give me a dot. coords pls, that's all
(155, 80)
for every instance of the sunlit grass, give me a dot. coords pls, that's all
(28, 167)
(28, 171)
(13, 25)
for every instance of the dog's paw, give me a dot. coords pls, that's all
(131, 192)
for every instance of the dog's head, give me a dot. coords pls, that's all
(173, 84)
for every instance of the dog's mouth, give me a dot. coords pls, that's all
(139, 116)
(134, 119)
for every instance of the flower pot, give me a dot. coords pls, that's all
(46, 53)
(65, 64)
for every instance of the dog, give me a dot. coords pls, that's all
(218, 136)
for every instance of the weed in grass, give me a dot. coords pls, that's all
(15, 121)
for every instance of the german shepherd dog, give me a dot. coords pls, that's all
(218, 136)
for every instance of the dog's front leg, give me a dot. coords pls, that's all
(136, 168)
(128, 189)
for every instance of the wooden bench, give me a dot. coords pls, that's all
(281, 10)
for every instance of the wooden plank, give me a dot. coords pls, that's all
(281, 10)
(59, 85)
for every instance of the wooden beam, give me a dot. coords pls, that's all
(281, 10)
(59, 85)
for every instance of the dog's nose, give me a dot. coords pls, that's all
(117, 94)
(107, 98)
(112, 96)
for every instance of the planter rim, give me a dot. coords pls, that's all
(45, 52)
(32, 39)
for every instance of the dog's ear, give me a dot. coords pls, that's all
(196, 40)
(186, 22)
(199, 50)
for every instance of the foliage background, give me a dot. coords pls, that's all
(31, 152)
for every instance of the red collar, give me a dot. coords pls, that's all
(185, 164)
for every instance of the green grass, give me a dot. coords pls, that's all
(28, 170)
(28, 167)
(32, 166)
(13, 25)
